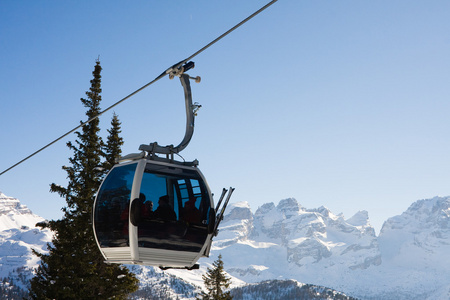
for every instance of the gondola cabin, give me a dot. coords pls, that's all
(154, 210)
(154, 213)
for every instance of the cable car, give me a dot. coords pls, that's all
(153, 210)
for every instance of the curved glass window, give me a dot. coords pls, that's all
(112, 207)
(174, 209)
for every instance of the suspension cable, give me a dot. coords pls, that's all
(163, 74)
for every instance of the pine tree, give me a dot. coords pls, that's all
(74, 267)
(216, 281)
(113, 145)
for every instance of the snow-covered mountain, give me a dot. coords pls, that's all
(282, 244)
(18, 235)
(408, 260)
(415, 249)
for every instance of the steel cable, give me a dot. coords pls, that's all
(166, 72)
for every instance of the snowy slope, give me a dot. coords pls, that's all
(286, 241)
(408, 260)
(18, 235)
(416, 244)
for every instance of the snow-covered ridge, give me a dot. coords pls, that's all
(15, 215)
(286, 241)
(408, 260)
(8, 204)
(18, 235)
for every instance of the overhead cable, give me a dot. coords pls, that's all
(166, 72)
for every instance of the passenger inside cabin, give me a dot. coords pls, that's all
(148, 211)
(191, 212)
(164, 211)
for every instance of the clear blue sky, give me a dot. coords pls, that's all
(337, 103)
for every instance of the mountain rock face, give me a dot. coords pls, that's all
(18, 235)
(293, 238)
(408, 260)
(416, 246)
(282, 247)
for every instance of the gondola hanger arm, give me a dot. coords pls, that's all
(191, 110)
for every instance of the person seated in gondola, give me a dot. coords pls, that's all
(141, 211)
(124, 219)
(192, 216)
(138, 211)
(190, 212)
(147, 211)
(164, 211)
(145, 217)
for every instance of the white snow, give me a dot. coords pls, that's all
(407, 260)
(18, 235)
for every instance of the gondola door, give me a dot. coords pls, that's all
(175, 206)
(114, 233)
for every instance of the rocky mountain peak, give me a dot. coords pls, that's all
(433, 214)
(13, 214)
(418, 241)
(288, 207)
(18, 236)
(321, 210)
(433, 211)
(265, 208)
(12, 205)
(285, 240)
(239, 211)
(361, 218)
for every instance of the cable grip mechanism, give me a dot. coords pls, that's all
(180, 70)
